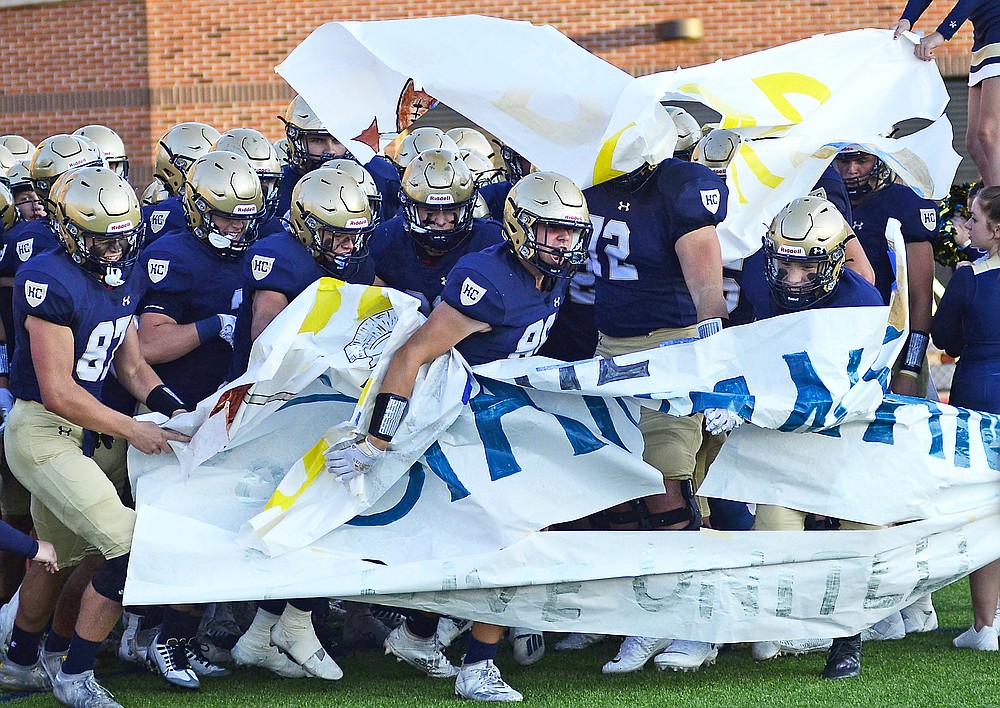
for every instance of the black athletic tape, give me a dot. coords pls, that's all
(162, 400)
(387, 415)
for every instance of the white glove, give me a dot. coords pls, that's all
(228, 328)
(348, 458)
(721, 420)
(6, 403)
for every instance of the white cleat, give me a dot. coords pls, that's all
(686, 655)
(578, 640)
(482, 682)
(983, 640)
(764, 651)
(304, 648)
(634, 653)
(528, 645)
(419, 652)
(885, 629)
(127, 650)
(920, 616)
(247, 652)
(796, 647)
(448, 630)
(7, 614)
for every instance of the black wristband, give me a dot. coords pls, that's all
(387, 415)
(913, 355)
(162, 400)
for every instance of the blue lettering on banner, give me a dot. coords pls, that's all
(733, 394)
(988, 431)
(610, 372)
(962, 439)
(414, 485)
(496, 400)
(937, 434)
(812, 397)
(601, 414)
(880, 429)
(439, 465)
(568, 380)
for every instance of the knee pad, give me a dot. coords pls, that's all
(109, 580)
(689, 513)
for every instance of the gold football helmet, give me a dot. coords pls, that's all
(483, 171)
(472, 139)
(538, 203)
(7, 161)
(330, 212)
(301, 123)
(110, 144)
(177, 150)
(154, 193)
(223, 202)
(20, 148)
(9, 214)
(281, 147)
(364, 178)
(688, 132)
(59, 154)
(717, 149)
(424, 138)
(804, 251)
(96, 216)
(438, 198)
(262, 156)
(19, 177)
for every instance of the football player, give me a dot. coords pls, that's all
(74, 312)
(310, 145)
(415, 251)
(330, 221)
(804, 254)
(27, 201)
(262, 156)
(546, 227)
(516, 166)
(427, 137)
(658, 267)
(110, 144)
(875, 198)
(176, 151)
(7, 161)
(20, 148)
(364, 178)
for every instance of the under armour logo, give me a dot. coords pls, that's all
(624, 206)
(63, 430)
(858, 225)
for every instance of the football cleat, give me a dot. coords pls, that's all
(528, 645)
(361, 629)
(634, 653)
(764, 651)
(247, 652)
(52, 663)
(795, 647)
(304, 648)
(126, 645)
(686, 655)
(983, 640)
(448, 630)
(7, 614)
(920, 616)
(82, 691)
(482, 682)
(15, 677)
(844, 658)
(578, 640)
(421, 653)
(199, 661)
(169, 660)
(885, 629)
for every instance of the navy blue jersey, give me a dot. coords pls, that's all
(492, 286)
(53, 288)
(852, 291)
(163, 218)
(289, 178)
(274, 225)
(26, 239)
(400, 265)
(918, 220)
(965, 325)
(744, 284)
(495, 196)
(187, 281)
(639, 283)
(830, 186)
(279, 263)
(985, 16)
(388, 184)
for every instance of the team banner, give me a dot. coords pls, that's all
(569, 111)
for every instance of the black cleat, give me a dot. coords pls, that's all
(844, 658)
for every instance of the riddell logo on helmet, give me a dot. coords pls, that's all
(120, 226)
(77, 162)
(785, 250)
(440, 199)
(357, 223)
(242, 209)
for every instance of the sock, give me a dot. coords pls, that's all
(295, 619)
(174, 625)
(421, 624)
(260, 629)
(81, 655)
(56, 642)
(479, 651)
(151, 616)
(24, 646)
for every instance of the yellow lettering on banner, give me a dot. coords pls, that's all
(777, 86)
(372, 302)
(731, 118)
(766, 177)
(313, 462)
(585, 127)
(603, 171)
(734, 176)
(326, 303)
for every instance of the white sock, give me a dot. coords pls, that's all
(296, 620)
(260, 629)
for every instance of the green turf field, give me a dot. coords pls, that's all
(920, 670)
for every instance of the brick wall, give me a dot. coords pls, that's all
(141, 66)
